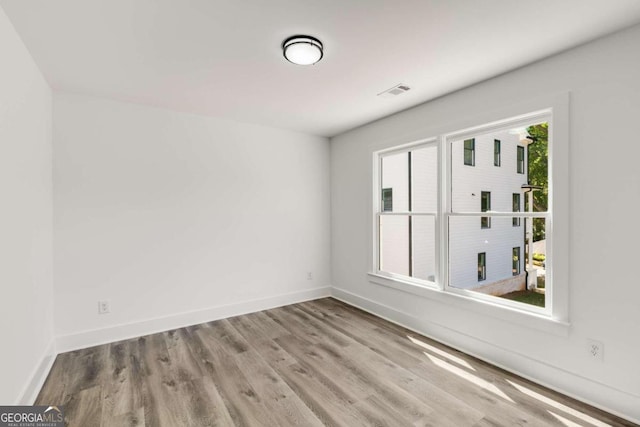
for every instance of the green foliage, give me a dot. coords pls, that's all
(539, 174)
(539, 257)
(527, 297)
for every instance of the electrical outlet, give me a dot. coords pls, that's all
(104, 307)
(309, 276)
(595, 349)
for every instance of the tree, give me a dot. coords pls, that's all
(538, 169)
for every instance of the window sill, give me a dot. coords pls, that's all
(514, 316)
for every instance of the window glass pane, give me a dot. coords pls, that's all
(520, 159)
(407, 246)
(482, 266)
(485, 205)
(395, 178)
(467, 183)
(485, 201)
(496, 152)
(515, 201)
(505, 276)
(424, 185)
(537, 167)
(394, 244)
(515, 261)
(387, 199)
(469, 152)
(423, 230)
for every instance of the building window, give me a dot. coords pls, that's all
(520, 159)
(515, 256)
(470, 152)
(482, 266)
(432, 237)
(485, 206)
(496, 152)
(387, 200)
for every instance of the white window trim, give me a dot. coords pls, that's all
(554, 318)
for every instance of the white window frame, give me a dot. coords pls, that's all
(554, 318)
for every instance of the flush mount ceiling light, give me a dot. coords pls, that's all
(302, 50)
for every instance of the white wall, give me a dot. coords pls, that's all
(26, 285)
(167, 214)
(602, 78)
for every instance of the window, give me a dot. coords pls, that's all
(515, 256)
(485, 206)
(520, 159)
(496, 152)
(406, 229)
(482, 266)
(470, 152)
(432, 238)
(387, 199)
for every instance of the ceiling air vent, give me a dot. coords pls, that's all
(395, 91)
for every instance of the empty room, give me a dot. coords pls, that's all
(339, 213)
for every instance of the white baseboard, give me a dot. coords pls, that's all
(131, 330)
(602, 396)
(38, 376)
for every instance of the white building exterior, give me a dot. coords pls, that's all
(407, 244)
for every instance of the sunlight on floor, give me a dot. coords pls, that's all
(560, 406)
(565, 421)
(468, 376)
(442, 353)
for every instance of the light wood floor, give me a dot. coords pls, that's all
(310, 364)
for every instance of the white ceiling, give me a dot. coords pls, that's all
(223, 58)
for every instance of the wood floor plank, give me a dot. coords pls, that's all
(81, 370)
(118, 389)
(54, 388)
(245, 406)
(362, 383)
(201, 397)
(129, 419)
(290, 315)
(84, 408)
(316, 363)
(162, 401)
(328, 402)
(286, 407)
(258, 326)
(225, 335)
(267, 347)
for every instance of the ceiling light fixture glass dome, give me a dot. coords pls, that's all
(302, 50)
